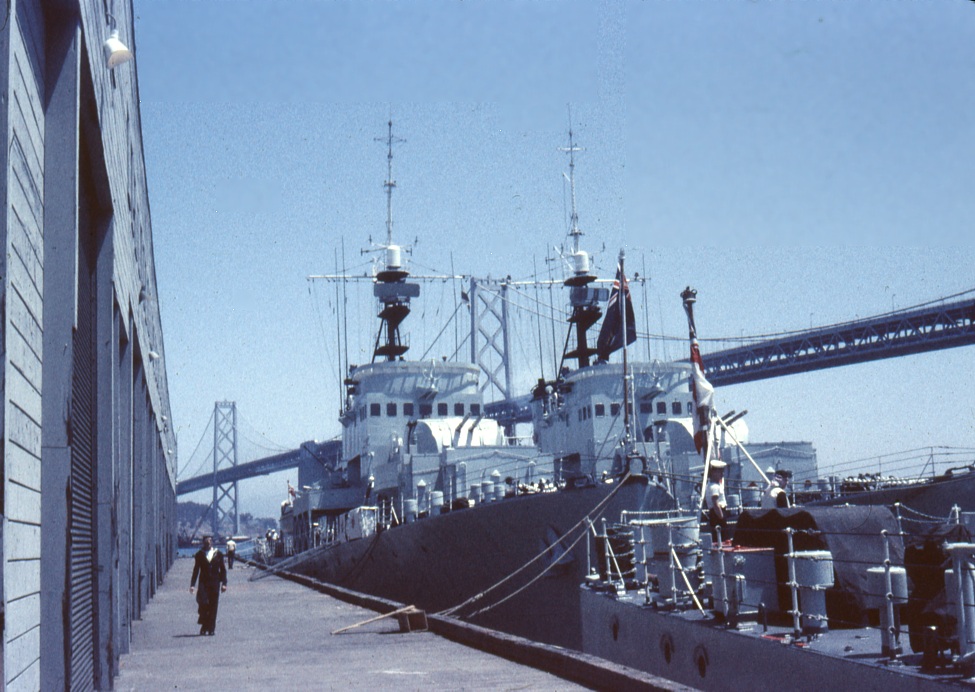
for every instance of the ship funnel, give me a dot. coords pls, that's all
(393, 257)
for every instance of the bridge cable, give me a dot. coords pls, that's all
(190, 459)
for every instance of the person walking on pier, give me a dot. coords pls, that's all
(231, 552)
(210, 570)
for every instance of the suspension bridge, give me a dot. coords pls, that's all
(936, 326)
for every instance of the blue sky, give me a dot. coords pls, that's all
(799, 163)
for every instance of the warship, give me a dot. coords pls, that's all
(800, 597)
(433, 504)
(803, 598)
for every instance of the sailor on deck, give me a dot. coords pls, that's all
(776, 495)
(714, 497)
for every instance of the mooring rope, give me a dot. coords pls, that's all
(588, 518)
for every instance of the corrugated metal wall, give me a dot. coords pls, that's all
(87, 491)
(24, 218)
(81, 485)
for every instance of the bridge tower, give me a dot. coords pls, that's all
(490, 340)
(224, 505)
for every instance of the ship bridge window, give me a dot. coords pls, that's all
(408, 408)
(391, 410)
(646, 407)
(458, 409)
(375, 410)
(475, 409)
(662, 407)
(675, 408)
(600, 410)
(426, 410)
(614, 409)
(442, 408)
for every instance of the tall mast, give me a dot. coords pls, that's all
(584, 300)
(574, 230)
(391, 288)
(390, 183)
(628, 437)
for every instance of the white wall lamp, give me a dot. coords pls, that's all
(116, 52)
(154, 356)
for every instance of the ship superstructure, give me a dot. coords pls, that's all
(597, 417)
(415, 440)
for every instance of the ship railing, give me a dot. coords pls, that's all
(961, 591)
(653, 517)
(387, 516)
(247, 549)
(894, 575)
(906, 513)
(265, 550)
(616, 555)
(517, 466)
(933, 462)
(742, 496)
(262, 552)
(743, 582)
(504, 475)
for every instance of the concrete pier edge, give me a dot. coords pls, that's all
(574, 666)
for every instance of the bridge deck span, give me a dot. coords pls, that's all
(931, 328)
(317, 452)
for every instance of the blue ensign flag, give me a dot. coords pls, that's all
(611, 333)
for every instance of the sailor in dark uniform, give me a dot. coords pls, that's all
(212, 573)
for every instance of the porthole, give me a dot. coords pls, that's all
(667, 647)
(701, 660)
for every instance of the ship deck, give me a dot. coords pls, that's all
(739, 656)
(273, 633)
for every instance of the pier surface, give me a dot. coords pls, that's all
(275, 634)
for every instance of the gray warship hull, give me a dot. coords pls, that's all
(689, 649)
(807, 599)
(441, 562)
(918, 502)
